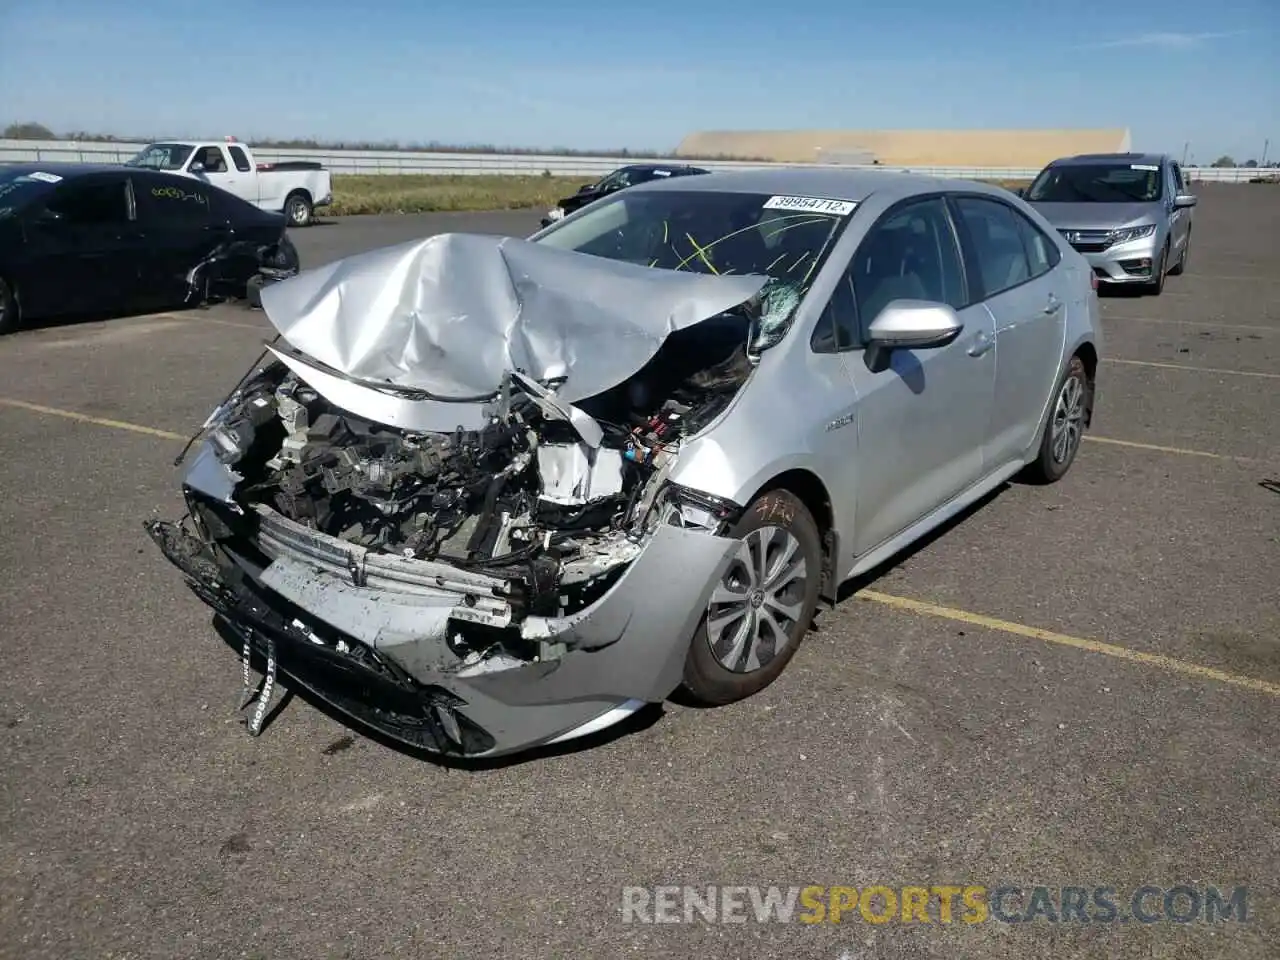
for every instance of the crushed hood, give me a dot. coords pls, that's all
(451, 315)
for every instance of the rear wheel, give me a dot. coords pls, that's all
(298, 210)
(1065, 427)
(9, 318)
(763, 604)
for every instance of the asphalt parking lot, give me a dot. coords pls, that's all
(1072, 686)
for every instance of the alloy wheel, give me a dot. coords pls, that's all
(1068, 420)
(754, 610)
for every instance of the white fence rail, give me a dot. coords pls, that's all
(476, 164)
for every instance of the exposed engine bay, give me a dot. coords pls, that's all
(532, 497)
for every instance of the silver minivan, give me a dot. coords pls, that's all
(1128, 214)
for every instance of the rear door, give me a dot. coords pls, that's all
(1014, 264)
(182, 230)
(84, 249)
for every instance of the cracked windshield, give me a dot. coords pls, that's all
(715, 233)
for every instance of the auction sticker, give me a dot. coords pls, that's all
(45, 177)
(1143, 166)
(841, 208)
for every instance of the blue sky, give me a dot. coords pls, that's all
(646, 72)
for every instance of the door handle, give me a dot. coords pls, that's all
(981, 344)
(1053, 306)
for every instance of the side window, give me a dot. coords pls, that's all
(172, 201)
(837, 328)
(96, 202)
(212, 159)
(239, 159)
(616, 180)
(1042, 253)
(993, 229)
(909, 255)
(1177, 179)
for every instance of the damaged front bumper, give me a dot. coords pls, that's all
(374, 634)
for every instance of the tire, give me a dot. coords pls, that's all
(1156, 287)
(10, 316)
(1180, 267)
(253, 291)
(775, 519)
(287, 255)
(298, 210)
(1070, 405)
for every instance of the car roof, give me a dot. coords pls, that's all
(67, 171)
(1102, 158)
(657, 166)
(833, 183)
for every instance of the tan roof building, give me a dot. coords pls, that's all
(907, 148)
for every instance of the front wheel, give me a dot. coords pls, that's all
(1065, 427)
(763, 604)
(1156, 287)
(1180, 267)
(298, 210)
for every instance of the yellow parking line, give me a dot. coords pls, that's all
(169, 435)
(1183, 366)
(901, 603)
(86, 418)
(1263, 278)
(261, 328)
(1079, 643)
(1194, 323)
(1157, 448)
(198, 317)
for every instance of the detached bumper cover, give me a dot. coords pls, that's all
(376, 648)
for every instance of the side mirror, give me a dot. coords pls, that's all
(914, 324)
(196, 167)
(910, 324)
(585, 187)
(1183, 200)
(1020, 192)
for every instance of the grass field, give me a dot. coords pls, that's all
(424, 193)
(414, 193)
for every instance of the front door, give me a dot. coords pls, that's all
(220, 173)
(1181, 226)
(923, 420)
(84, 249)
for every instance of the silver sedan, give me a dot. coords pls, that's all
(485, 494)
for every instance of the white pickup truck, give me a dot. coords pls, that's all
(294, 188)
